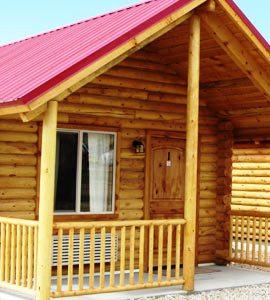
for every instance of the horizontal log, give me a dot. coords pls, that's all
(18, 182)
(17, 148)
(17, 193)
(13, 205)
(25, 137)
(28, 215)
(251, 166)
(251, 180)
(132, 73)
(250, 201)
(251, 158)
(141, 84)
(128, 204)
(18, 159)
(251, 187)
(256, 195)
(130, 214)
(17, 171)
(251, 151)
(250, 208)
(251, 173)
(132, 174)
(11, 125)
(131, 194)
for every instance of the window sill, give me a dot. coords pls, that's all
(84, 217)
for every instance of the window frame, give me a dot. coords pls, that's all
(80, 133)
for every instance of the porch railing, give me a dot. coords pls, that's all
(18, 253)
(143, 254)
(249, 238)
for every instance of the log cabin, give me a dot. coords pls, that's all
(134, 146)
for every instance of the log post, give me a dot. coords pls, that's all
(47, 175)
(191, 153)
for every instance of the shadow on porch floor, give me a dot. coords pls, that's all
(207, 278)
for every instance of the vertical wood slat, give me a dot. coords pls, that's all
(131, 255)
(151, 253)
(81, 258)
(260, 240)
(13, 254)
(3, 247)
(169, 252)
(177, 252)
(160, 251)
(242, 239)
(92, 258)
(112, 263)
(254, 238)
(122, 256)
(248, 239)
(59, 270)
(7, 253)
(102, 258)
(141, 254)
(35, 255)
(30, 257)
(24, 255)
(266, 240)
(18, 254)
(70, 258)
(231, 253)
(236, 236)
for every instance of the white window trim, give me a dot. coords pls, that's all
(79, 172)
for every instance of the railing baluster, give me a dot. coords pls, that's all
(141, 255)
(160, 252)
(260, 241)
(35, 254)
(24, 255)
(254, 238)
(151, 253)
(19, 255)
(13, 254)
(92, 258)
(131, 255)
(266, 241)
(7, 253)
(70, 258)
(81, 258)
(236, 237)
(169, 252)
(102, 258)
(3, 247)
(242, 238)
(123, 256)
(30, 256)
(112, 263)
(59, 260)
(177, 251)
(248, 239)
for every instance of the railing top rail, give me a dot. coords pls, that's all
(249, 213)
(66, 225)
(16, 221)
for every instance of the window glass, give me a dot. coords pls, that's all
(97, 172)
(85, 164)
(66, 171)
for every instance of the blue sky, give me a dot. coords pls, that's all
(23, 18)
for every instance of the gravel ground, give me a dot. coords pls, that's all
(251, 292)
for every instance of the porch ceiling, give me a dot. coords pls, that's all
(225, 86)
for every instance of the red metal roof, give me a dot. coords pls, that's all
(30, 67)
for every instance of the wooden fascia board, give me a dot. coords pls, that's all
(86, 75)
(237, 52)
(244, 28)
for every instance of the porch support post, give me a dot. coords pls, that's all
(47, 175)
(191, 153)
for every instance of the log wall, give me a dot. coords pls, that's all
(138, 94)
(251, 177)
(18, 168)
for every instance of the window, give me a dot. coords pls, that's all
(85, 172)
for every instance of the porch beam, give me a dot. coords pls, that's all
(47, 175)
(191, 153)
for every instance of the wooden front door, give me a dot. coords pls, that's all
(167, 165)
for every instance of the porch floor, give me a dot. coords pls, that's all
(207, 278)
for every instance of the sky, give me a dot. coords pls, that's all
(23, 18)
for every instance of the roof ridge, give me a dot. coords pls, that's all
(79, 22)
